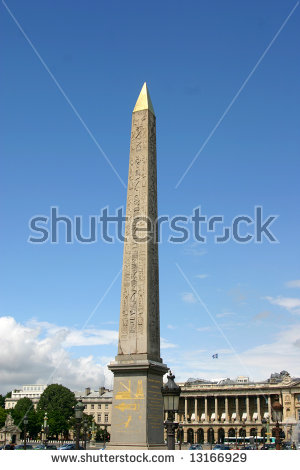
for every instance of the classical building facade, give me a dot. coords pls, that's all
(29, 391)
(212, 411)
(97, 404)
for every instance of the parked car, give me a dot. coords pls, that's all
(268, 447)
(221, 447)
(39, 447)
(69, 447)
(21, 447)
(196, 447)
(51, 447)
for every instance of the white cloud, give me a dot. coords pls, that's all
(202, 276)
(224, 314)
(165, 344)
(292, 284)
(257, 363)
(171, 327)
(289, 303)
(204, 328)
(36, 352)
(188, 297)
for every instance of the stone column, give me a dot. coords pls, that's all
(196, 410)
(237, 409)
(226, 410)
(205, 410)
(258, 408)
(248, 408)
(269, 407)
(185, 408)
(216, 409)
(205, 434)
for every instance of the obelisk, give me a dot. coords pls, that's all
(137, 406)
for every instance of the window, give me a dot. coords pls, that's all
(106, 406)
(99, 407)
(92, 407)
(99, 418)
(106, 418)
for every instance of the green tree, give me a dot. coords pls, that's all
(2, 399)
(72, 424)
(24, 407)
(59, 403)
(3, 415)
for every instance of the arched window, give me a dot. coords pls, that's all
(190, 436)
(221, 436)
(231, 432)
(180, 435)
(200, 436)
(210, 436)
(242, 432)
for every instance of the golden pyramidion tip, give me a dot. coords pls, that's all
(144, 101)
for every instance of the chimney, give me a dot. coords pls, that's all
(87, 391)
(101, 390)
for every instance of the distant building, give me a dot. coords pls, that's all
(97, 404)
(211, 411)
(29, 391)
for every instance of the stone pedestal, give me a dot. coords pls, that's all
(137, 407)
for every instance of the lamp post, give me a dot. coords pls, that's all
(268, 430)
(85, 426)
(45, 427)
(93, 434)
(78, 416)
(104, 434)
(171, 392)
(25, 421)
(180, 428)
(277, 416)
(236, 430)
(264, 422)
(256, 438)
(244, 432)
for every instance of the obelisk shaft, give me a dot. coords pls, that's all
(137, 406)
(139, 316)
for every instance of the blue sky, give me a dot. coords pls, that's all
(195, 58)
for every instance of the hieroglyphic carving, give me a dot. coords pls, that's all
(139, 317)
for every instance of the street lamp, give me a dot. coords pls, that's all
(171, 392)
(104, 434)
(25, 421)
(78, 416)
(277, 416)
(236, 430)
(244, 432)
(85, 426)
(180, 428)
(46, 427)
(264, 422)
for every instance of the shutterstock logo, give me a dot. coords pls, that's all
(110, 227)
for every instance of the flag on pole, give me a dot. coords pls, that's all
(215, 356)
